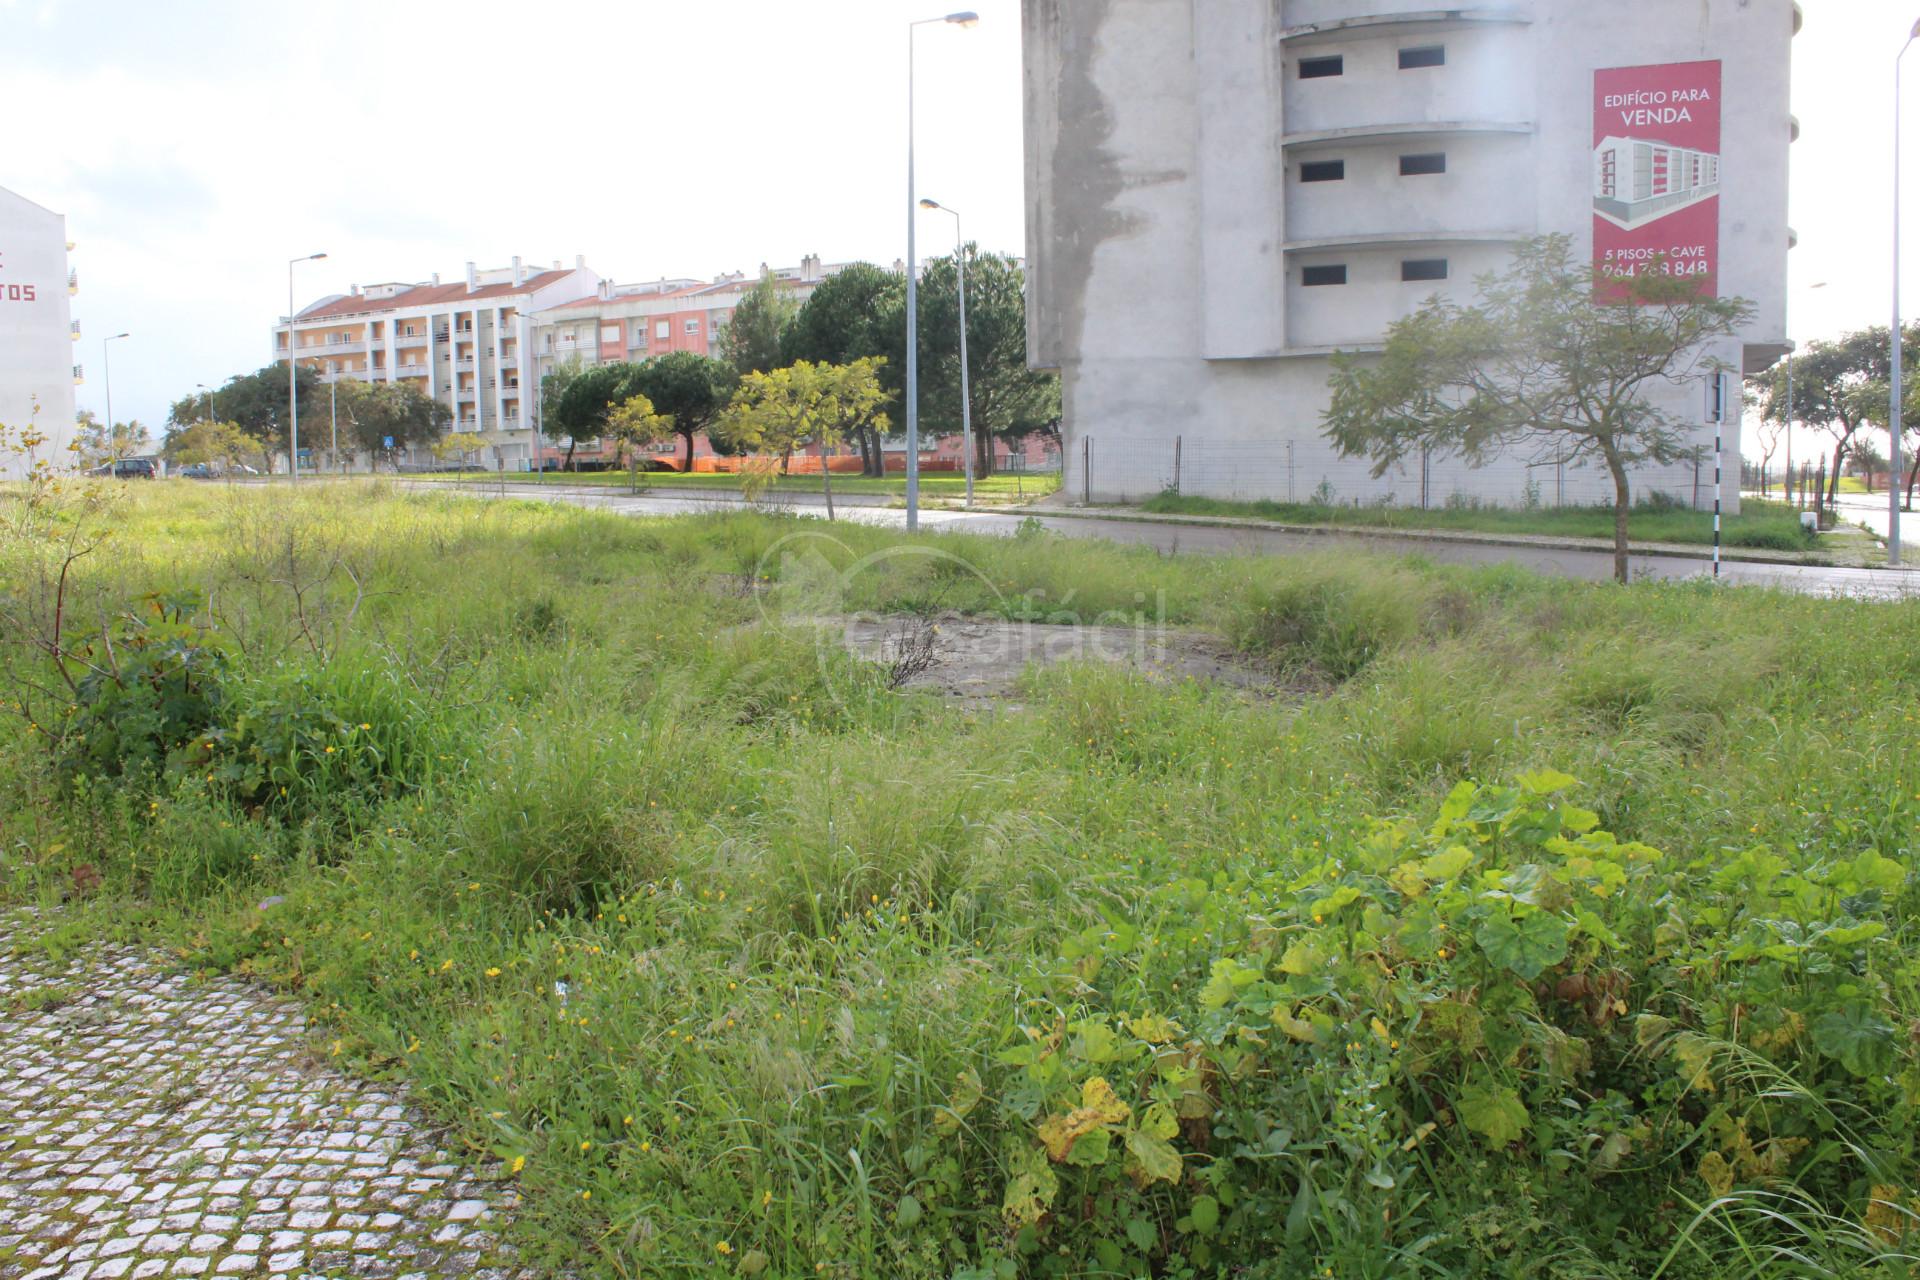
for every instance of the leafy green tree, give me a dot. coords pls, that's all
(257, 402)
(805, 404)
(691, 389)
(1541, 359)
(857, 313)
(208, 442)
(1010, 399)
(1839, 387)
(581, 411)
(377, 411)
(459, 444)
(752, 342)
(553, 387)
(99, 443)
(634, 426)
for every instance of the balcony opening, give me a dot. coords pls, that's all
(1420, 165)
(1323, 171)
(1323, 68)
(1317, 277)
(1420, 269)
(1433, 55)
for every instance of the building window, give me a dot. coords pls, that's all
(1322, 68)
(693, 328)
(1314, 277)
(664, 332)
(1416, 166)
(1433, 55)
(1327, 171)
(1417, 269)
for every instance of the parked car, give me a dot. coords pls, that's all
(201, 471)
(127, 469)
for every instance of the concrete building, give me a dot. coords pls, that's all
(461, 343)
(38, 368)
(1222, 193)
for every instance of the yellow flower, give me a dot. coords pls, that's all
(723, 1247)
(368, 726)
(646, 1146)
(586, 1195)
(627, 1120)
(519, 1163)
(586, 1146)
(493, 972)
(330, 749)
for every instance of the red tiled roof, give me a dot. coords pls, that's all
(427, 295)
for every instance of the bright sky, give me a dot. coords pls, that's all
(196, 145)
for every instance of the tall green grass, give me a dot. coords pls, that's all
(660, 893)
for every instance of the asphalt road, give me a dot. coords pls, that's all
(1176, 539)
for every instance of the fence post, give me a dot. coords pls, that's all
(1176, 464)
(1086, 471)
(1290, 471)
(1425, 477)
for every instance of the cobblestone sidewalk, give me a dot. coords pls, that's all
(155, 1125)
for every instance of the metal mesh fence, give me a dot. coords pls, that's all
(1111, 468)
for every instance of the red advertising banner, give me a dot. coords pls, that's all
(1656, 171)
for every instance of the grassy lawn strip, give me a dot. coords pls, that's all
(1003, 487)
(1526, 927)
(1773, 526)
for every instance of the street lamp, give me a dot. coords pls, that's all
(293, 365)
(201, 386)
(966, 19)
(1893, 412)
(106, 358)
(966, 395)
(1791, 348)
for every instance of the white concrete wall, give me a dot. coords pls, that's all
(37, 350)
(1152, 285)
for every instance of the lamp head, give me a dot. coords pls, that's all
(929, 204)
(117, 335)
(1913, 35)
(972, 19)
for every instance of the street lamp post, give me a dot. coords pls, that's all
(1893, 411)
(966, 392)
(106, 359)
(293, 365)
(201, 386)
(965, 19)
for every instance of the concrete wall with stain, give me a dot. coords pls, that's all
(1170, 231)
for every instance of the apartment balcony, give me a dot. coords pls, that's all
(410, 371)
(511, 361)
(80, 374)
(465, 364)
(405, 340)
(463, 393)
(74, 329)
(73, 283)
(315, 349)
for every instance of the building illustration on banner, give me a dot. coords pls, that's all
(1636, 180)
(1657, 171)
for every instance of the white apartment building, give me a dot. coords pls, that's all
(1222, 193)
(462, 344)
(38, 369)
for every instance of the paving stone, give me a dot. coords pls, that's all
(154, 1124)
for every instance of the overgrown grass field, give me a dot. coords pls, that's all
(1772, 526)
(1529, 928)
(1002, 487)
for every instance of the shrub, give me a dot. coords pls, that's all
(153, 686)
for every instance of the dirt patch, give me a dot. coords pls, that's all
(978, 661)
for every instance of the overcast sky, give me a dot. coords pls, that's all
(195, 145)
